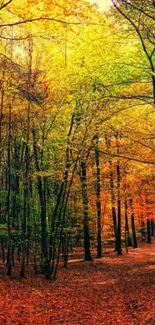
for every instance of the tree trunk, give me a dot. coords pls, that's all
(44, 248)
(98, 201)
(9, 253)
(152, 228)
(42, 198)
(148, 232)
(119, 240)
(25, 210)
(27, 162)
(128, 237)
(112, 194)
(134, 237)
(1, 117)
(153, 84)
(87, 253)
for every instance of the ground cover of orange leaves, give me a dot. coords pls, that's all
(109, 291)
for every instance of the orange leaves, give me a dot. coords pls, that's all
(109, 291)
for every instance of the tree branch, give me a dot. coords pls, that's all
(139, 9)
(123, 157)
(49, 19)
(137, 31)
(5, 4)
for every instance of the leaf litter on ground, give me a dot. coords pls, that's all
(108, 291)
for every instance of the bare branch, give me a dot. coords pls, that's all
(48, 19)
(136, 29)
(14, 38)
(5, 4)
(139, 9)
(122, 156)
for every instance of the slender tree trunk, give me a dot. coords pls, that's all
(113, 204)
(153, 84)
(128, 239)
(98, 201)
(61, 197)
(27, 162)
(1, 116)
(1, 178)
(112, 194)
(25, 211)
(26, 195)
(119, 239)
(9, 253)
(134, 237)
(135, 245)
(26, 207)
(87, 253)
(44, 247)
(64, 207)
(60, 209)
(148, 232)
(152, 228)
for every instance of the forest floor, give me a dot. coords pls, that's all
(110, 291)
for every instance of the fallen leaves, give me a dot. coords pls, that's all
(109, 291)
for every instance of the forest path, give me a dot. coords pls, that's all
(109, 291)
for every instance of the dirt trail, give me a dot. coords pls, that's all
(109, 291)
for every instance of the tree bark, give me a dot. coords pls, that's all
(152, 228)
(9, 253)
(40, 185)
(98, 200)
(119, 239)
(87, 253)
(112, 194)
(128, 239)
(135, 245)
(148, 232)
(27, 161)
